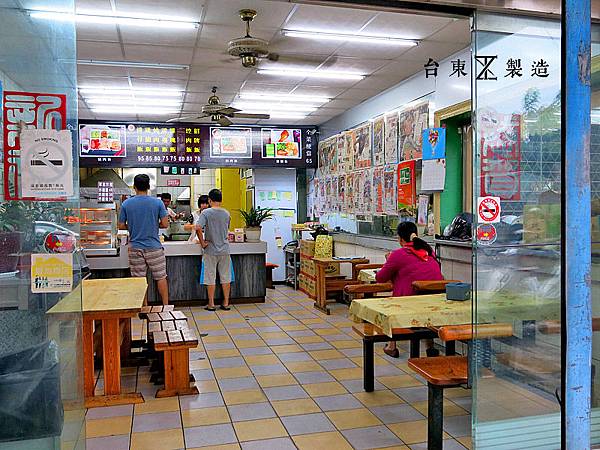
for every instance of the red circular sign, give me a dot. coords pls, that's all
(486, 234)
(489, 209)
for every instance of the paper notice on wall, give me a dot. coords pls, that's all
(422, 209)
(433, 175)
(46, 164)
(287, 196)
(51, 272)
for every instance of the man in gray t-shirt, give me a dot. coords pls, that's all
(212, 230)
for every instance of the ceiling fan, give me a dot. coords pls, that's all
(248, 48)
(219, 112)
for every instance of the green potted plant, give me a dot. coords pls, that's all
(14, 217)
(254, 218)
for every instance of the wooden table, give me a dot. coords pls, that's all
(110, 301)
(320, 265)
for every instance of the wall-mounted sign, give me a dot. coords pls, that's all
(174, 182)
(486, 234)
(230, 142)
(488, 209)
(102, 140)
(282, 143)
(51, 273)
(406, 184)
(105, 192)
(434, 143)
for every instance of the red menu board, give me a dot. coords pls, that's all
(406, 184)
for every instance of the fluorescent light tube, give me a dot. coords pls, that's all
(327, 74)
(277, 115)
(341, 37)
(138, 20)
(132, 101)
(133, 110)
(285, 98)
(128, 92)
(273, 107)
(131, 64)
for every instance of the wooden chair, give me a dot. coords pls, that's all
(270, 267)
(427, 287)
(442, 372)
(175, 346)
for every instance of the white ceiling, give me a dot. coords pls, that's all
(204, 49)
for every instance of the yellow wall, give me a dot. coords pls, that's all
(228, 180)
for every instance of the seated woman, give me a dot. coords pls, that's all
(413, 261)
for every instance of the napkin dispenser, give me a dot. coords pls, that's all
(458, 291)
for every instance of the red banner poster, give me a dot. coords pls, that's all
(501, 157)
(406, 184)
(27, 110)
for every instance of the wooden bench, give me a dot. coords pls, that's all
(154, 309)
(175, 346)
(442, 372)
(166, 320)
(371, 334)
(426, 287)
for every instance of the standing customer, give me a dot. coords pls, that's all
(142, 215)
(212, 230)
(202, 205)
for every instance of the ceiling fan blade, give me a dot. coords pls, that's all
(251, 116)
(224, 121)
(184, 118)
(228, 111)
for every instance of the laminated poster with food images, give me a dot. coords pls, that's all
(378, 141)
(328, 197)
(342, 193)
(378, 189)
(362, 146)
(391, 138)
(411, 123)
(323, 159)
(341, 153)
(349, 200)
(357, 206)
(349, 147)
(390, 189)
(366, 191)
(334, 201)
(333, 156)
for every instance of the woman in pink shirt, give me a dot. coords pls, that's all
(413, 261)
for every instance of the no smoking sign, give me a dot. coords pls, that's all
(488, 209)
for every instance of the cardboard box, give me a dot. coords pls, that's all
(308, 285)
(307, 247)
(239, 234)
(541, 223)
(308, 267)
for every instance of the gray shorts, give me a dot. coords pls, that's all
(211, 264)
(142, 260)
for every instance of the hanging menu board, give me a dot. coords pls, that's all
(177, 148)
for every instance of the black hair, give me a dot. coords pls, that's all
(165, 196)
(406, 230)
(215, 195)
(202, 200)
(141, 182)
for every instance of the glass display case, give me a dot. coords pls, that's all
(98, 229)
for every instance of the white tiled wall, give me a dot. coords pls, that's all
(203, 183)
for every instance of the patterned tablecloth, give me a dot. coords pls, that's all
(435, 310)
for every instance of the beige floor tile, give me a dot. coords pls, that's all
(353, 418)
(245, 396)
(347, 374)
(450, 409)
(218, 447)
(412, 432)
(320, 441)
(232, 372)
(326, 354)
(219, 339)
(232, 320)
(346, 344)
(205, 386)
(399, 381)
(293, 327)
(378, 398)
(205, 416)
(459, 392)
(259, 429)
(200, 364)
(303, 366)
(157, 440)
(157, 405)
(276, 380)
(327, 331)
(274, 335)
(251, 343)
(234, 331)
(225, 353)
(312, 321)
(358, 360)
(261, 360)
(288, 348)
(395, 447)
(322, 389)
(295, 407)
(112, 426)
(210, 326)
(309, 339)
(466, 441)
(263, 323)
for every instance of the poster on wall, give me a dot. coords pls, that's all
(433, 175)
(335, 200)
(349, 193)
(34, 110)
(51, 272)
(434, 143)
(366, 196)
(322, 156)
(422, 209)
(500, 145)
(361, 142)
(390, 189)
(102, 140)
(230, 142)
(378, 141)
(358, 200)
(328, 195)
(333, 155)
(46, 164)
(378, 189)
(349, 138)
(411, 123)
(282, 143)
(391, 138)
(342, 193)
(406, 185)
(341, 153)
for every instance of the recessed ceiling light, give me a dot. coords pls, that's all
(326, 74)
(139, 20)
(131, 64)
(130, 92)
(283, 115)
(366, 39)
(273, 107)
(132, 101)
(133, 110)
(285, 98)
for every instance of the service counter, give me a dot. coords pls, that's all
(183, 269)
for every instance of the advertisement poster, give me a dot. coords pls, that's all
(342, 193)
(333, 156)
(390, 189)
(51, 272)
(349, 136)
(422, 209)
(350, 193)
(46, 164)
(378, 189)
(102, 140)
(41, 111)
(500, 154)
(328, 195)
(433, 175)
(341, 153)
(334, 198)
(281, 143)
(391, 138)
(411, 123)
(406, 185)
(231, 142)
(378, 141)
(358, 200)
(361, 142)
(434, 143)
(366, 195)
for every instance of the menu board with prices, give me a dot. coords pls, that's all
(105, 192)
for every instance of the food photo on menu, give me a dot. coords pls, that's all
(281, 143)
(231, 142)
(102, 141)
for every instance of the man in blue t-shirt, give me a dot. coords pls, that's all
(143, 215)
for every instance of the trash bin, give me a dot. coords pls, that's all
(30, 399)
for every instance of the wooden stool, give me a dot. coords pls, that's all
(176, 346)
(270, 267)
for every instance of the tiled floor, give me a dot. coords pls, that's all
(280, 375)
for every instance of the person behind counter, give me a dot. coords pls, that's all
(143, 215)
(202, 205)
(212, 230)
(166, 199)
(413, 261)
